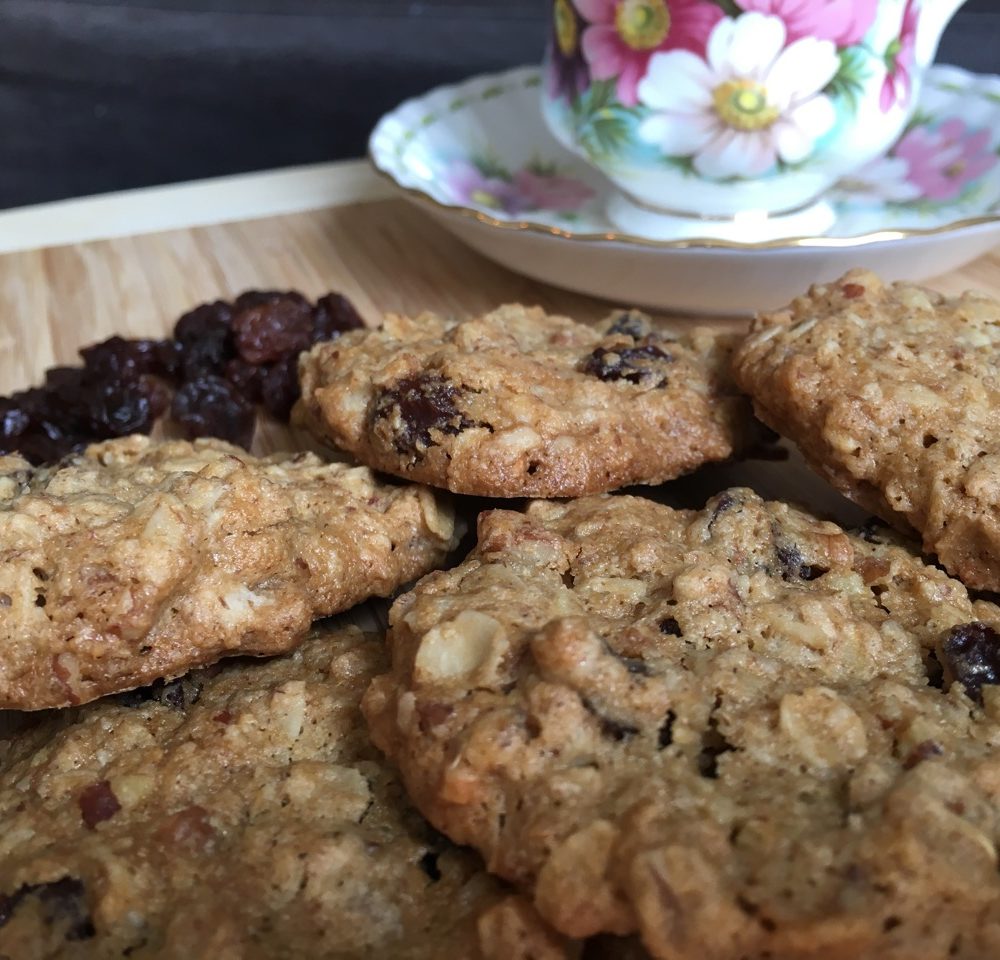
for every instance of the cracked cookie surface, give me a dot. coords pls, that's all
(741, 731)
(517, 403)
(892, 392)
(138, 560)
(237, 813)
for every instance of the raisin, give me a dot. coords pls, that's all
(211, 407)
(671, 627)
(630, 323)
(333, 315)
(119, 359)
(280, 387)
(206, 320)
(14, 421)
(97, 803)
(250, 299)
(269, 330)
(62, 902)
(725, 501)
(118, 409)
(246, 377)
(423, 403)
(637, 365)
(794, 567)
(206, 357)
(226, 357)
(970, 655)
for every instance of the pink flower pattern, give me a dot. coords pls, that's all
(943, 160)
(613, 50)
(845, 22)
(529, 189)
(899, 60)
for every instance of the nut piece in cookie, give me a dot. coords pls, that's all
(135, 561)
(518, 403)
(739, 732)
(893, 394)
(238, 813)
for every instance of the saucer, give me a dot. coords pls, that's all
(479, 158)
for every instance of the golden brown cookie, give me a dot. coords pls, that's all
(893, 395)
(741, 731)
(235, 814)
(137, 560)
(517, 403)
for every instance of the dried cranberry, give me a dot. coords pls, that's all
(62, 903)
(279, 387)
(639, 365)
(97, 803)
(212, 407)
(268, 331)
(970, 654)
(334, 315)
(423, 403)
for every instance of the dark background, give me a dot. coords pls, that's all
(102, 95)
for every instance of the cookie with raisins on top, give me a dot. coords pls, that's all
(741, 732)
(518, 403)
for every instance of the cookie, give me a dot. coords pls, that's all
(135, 561)
(740, 731)
(517, 403)
(239, 812)
(893, 394)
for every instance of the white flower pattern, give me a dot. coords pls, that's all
(751, 102)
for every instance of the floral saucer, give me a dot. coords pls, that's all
(479, 157)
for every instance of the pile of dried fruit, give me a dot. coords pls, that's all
(222, 361)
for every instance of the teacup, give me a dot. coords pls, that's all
(734, 109)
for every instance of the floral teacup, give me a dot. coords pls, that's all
(719, 109)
